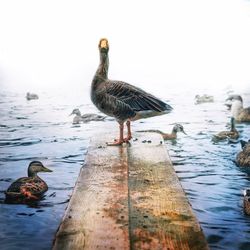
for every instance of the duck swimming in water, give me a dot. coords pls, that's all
(28, 188)
(31, 96)
(168, 136)
(232, 134)
(243, 157)
(121, 100)
(86, 117)
(203, 99)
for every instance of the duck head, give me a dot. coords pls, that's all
(76, 112)
(36, 167)
(178, 128)
(243, 143)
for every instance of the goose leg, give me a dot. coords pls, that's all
(129, 132)
(120, 140)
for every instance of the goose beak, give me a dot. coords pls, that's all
(46, 169)
(184, 132)
(104, 44)
(71, 114)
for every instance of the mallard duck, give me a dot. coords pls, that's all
(231, 98)
(168, 136)
(28, 188)
(203, 99)
(232, 134)
(86, 117)
(121, 100)
(243, 157)
(246, 203)
(31, 96)
(239, 113)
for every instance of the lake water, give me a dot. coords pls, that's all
(42, 130)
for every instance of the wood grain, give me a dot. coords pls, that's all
(129, 197)
(160, 214)
(97, 215)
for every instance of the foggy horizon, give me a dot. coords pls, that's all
(187, 44)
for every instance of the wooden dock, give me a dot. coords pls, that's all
(129, 197)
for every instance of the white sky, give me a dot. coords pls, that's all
(47, 44)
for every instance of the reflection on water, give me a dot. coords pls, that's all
(42, 130)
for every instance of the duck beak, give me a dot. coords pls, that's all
(184, 132)
(71, 114)
(46, 169)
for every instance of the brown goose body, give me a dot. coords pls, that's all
(243, 157)
(239, 113)
(121, 100)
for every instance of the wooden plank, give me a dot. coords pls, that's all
(97, 215)
(160, 214)
(129, 197)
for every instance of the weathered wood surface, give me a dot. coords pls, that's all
(129, 197)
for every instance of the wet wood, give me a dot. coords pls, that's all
(129, 197)
(97, 215)
(160, 214)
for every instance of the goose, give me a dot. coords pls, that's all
(28, 188)
(239, 113)
(229, 100)
(121, 100)
(31, 96)
(168, 136)
(86, 117)
(232, 134)
(243, 157)
(203, 99)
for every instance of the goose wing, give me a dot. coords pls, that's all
(136, 98)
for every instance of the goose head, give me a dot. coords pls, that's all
(36, 167)
(104, 45)
(232, 98)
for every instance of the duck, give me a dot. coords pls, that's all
(232, 134)
(229, 100)
(86, 117)
(31, 96)
(243, 157)
(246, 202)
(168, 136)
(28, 188)
(121, 100)
(239, 113)
(203, 99)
